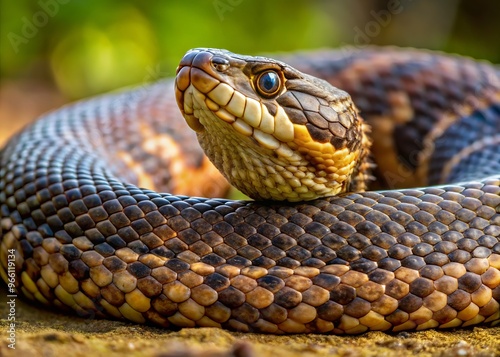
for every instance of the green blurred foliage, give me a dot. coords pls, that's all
(90, 58)
(92, 46)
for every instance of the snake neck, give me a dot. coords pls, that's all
(268, 174)
(362, 173)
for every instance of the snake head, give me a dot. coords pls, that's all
(273, 131)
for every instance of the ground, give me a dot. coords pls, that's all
(46, 333)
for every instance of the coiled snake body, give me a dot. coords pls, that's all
(85, 236)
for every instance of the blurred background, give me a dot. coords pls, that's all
(56, 51)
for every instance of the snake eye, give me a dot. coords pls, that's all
(268, 83)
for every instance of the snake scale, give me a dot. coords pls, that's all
(78, 233)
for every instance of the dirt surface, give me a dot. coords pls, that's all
(39, 332)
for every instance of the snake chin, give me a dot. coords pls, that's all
(193, 122)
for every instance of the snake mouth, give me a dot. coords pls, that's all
(199, 86)
(206, 85)
(189, 72)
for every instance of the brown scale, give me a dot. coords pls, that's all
(89, 240)
(410, 100)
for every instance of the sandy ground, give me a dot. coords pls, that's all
(44, 333)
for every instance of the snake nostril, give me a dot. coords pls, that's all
(220, 64)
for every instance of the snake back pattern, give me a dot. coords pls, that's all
(78, 232)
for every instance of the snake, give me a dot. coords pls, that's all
(374, 173)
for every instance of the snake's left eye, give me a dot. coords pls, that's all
(268, 83)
